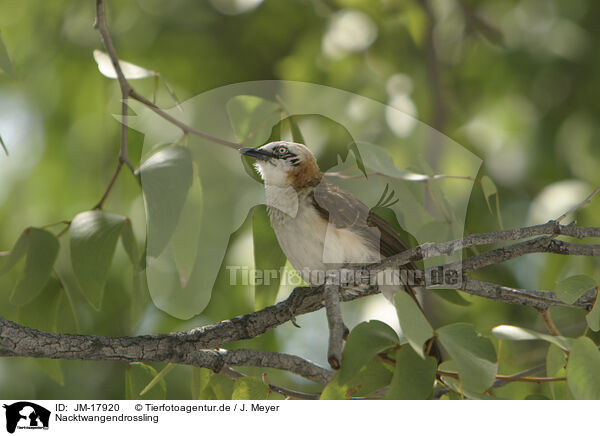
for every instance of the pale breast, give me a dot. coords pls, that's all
(312, 245)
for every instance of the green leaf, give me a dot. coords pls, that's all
(200, 381)
(18, 251)
(41, 314)
(456, 385)
(41, 249)
(130, 71)
(137, 376)
(372, 376)
(159, 377)
(295, 129)
(593, 317)
(5, 63)
(222, 386)
(250, 170)
(583, 370)
(129, 243)
(556, 360)
(166, 178)
(415, 326)
(474, 355)
(253, 118)
(171, 92)
(513, 333)
(452, 296)
(571, 288)
(53, 369)
(413, 377)
(249, 388)
(335, 390)
(186, 241)
(365, 340)
(489, 189)
(93, 240)
(268, 257)
(434, 231)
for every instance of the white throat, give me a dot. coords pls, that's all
(280, 193)
(283, 198)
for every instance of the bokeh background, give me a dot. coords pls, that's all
(514, 82)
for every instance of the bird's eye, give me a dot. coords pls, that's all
(281, 150)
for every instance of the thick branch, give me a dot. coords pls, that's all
(21, 341)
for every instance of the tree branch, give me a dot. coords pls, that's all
(232, 373)
(193, 347)
(21, 341)
(184, 127)
(510, 378)
(540, 300)
(337, 329)
(429, 250)
(545, 314)
(128, 91)
(578, 205)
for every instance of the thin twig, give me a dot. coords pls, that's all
(545, 314)
(66, 222)
(509, 378)
(99, 205)
(100, 24)
(288, 393)
(578, 205)
(184, 127)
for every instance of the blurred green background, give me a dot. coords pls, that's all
(514, 82)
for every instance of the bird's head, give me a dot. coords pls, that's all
(284, 164)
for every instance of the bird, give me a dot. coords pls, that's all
(319, 226)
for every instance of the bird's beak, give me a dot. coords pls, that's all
(256, 153)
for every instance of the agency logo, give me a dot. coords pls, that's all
(26, 415)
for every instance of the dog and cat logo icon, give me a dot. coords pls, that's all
(26, 415)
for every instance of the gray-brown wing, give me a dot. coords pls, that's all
(344, 210)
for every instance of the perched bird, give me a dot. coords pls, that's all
(319, 226)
